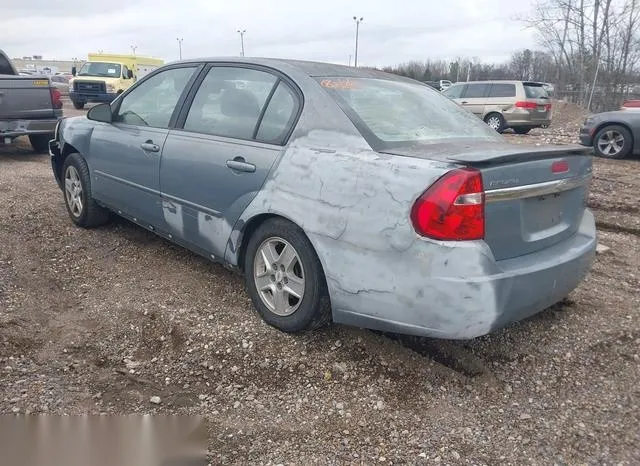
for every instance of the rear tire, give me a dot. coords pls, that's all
(613, 142)
(297, 278)
(495, 121)
(78, 105)
(76, 187)
(522, 130)
(40, 142)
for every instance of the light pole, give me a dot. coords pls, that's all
(133, 49)
(180, 47)
(241, 32)
(358, 21)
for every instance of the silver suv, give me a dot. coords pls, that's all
(520, 105)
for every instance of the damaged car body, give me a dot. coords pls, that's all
(341, 194)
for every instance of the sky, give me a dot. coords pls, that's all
(392, 32)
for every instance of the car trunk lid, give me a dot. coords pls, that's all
(535, 197)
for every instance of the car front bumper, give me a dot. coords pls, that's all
(83, 97)
(457, 291)
(15, 128)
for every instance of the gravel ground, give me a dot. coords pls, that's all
(102, 321)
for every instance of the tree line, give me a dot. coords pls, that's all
(588, 49)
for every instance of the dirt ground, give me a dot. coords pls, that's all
(100, 321)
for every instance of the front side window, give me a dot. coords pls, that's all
(229, 102)
(475, 91)
(153, 101)
(99, 69)
(125, 72)
(390, 113)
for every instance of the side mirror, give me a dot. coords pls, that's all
(129, 74)
(100, 113)
(74, 70)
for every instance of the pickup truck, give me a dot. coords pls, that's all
(29, 106)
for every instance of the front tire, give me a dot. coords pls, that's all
(82, 208)
(40, 142)
(284, 278)
(495, 121)
(613, 142)
(78, 105)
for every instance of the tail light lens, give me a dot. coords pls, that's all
(56, 98)
(452, 209)
(527, 105)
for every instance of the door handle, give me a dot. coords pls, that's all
(149, 146)
(464, 102)
(240, 165)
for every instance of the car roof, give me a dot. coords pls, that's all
(310, 68)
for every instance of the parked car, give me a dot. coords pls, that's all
(29, 106)
(613, 135)
(341, 193)
(439, 85)
(61, 83)
(631, 105)
(519, 105)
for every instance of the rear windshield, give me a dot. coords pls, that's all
(393, 113)
(535, 91)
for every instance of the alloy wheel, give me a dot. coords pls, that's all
(611, 143)
(73, 191)
(279, 276)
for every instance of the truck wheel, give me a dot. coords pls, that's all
(78, 105)
(82, 208)
(284, 278)
(40, 142)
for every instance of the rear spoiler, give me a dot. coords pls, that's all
(516, 154)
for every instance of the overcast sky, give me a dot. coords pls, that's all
(393, 31)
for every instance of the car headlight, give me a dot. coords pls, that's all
(111, 88)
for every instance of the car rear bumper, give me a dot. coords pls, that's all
(459, 291)
(518, 121)
(15, 128)
(83, 97)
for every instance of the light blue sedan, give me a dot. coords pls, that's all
(341, 194)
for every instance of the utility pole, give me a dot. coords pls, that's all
(358, 21)
(133, 49)
(241, 32)
(180, 47)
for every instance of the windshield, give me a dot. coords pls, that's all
(105, 70)
(535, 91)
(392, 113)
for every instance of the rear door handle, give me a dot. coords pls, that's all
(149, 146)
(464, 102)
(240, 165)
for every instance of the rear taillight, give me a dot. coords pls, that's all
(527, 105)
(56, 98)
(452, 208)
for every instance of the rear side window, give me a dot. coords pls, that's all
(229, 102)
(503, 90)
(454, 92)
(475, 91)
(279, 116)
(535, 91)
